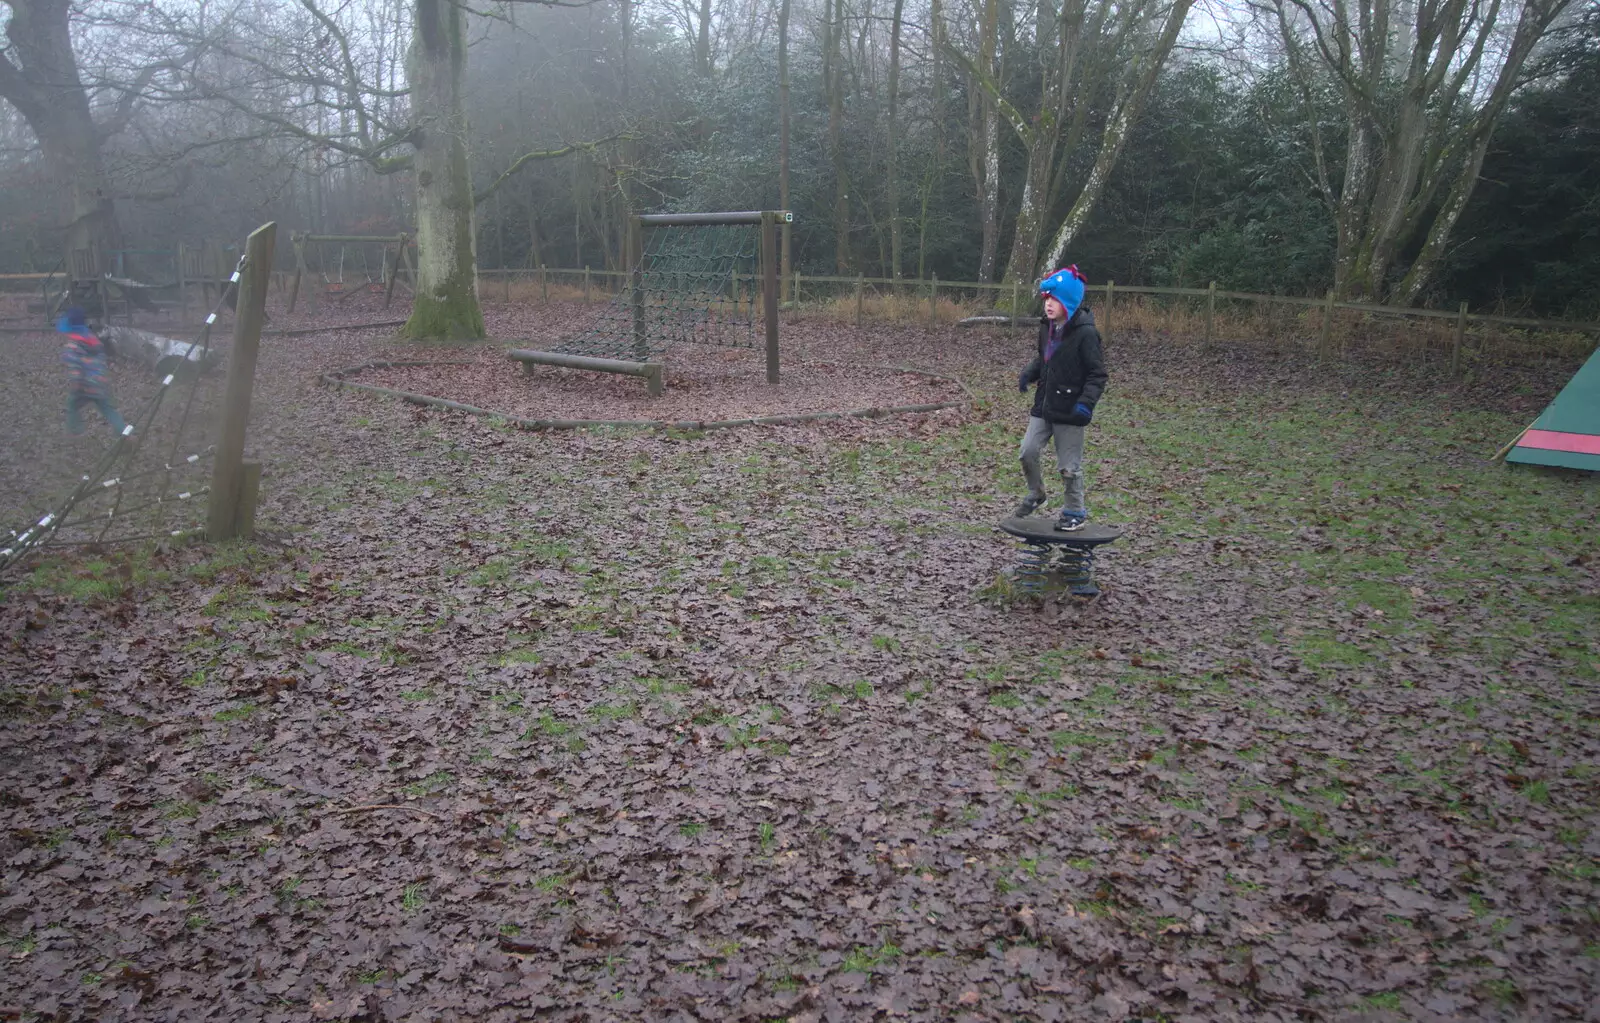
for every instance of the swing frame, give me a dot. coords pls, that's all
(397, 255)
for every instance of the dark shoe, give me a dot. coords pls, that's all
(1028, 506)
(1071, 522)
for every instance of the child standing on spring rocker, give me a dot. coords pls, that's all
(1071, 373)
(87, 383)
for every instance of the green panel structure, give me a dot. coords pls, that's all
(1567, 434)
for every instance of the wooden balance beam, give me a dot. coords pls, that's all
(651, 371)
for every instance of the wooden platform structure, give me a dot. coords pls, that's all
(87, 279)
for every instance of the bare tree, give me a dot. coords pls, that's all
(40, 77)
(1091, 53)
(308, 72)
(1422, 85)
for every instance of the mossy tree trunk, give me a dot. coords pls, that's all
(446, 306)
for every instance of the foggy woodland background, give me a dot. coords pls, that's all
(1452, 153)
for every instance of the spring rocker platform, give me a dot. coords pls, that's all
(1051, 561)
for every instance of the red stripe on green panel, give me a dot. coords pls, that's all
(1555, 440)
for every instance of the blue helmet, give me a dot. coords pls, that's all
(1066, 287)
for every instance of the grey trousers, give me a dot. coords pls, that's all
(1069, 459)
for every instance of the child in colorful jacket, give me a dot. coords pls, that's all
(87, 381)
(1071, 372)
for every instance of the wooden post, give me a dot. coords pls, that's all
(1325, 346)
(394, 271)
(861, 291)
(640, 349)
(249, 491)
(544, 284)
(411, 267)
(797, 289)
(1211, 309)
(1461, 340)
(1111, 294)
(228, 474)
(933, 300)
(183, 290)
(1016, 297)
(586, 284)
(769, 289)
(315, 289)
(505, 281)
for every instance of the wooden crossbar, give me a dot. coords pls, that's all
(651, 371)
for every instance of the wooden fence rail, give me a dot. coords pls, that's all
(1109, 290)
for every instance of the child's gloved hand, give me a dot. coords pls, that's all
(1083, 411)
(1022, 382)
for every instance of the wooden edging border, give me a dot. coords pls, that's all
(298, 331)
(45, 328)
(337, 379)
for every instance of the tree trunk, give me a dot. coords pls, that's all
(986, 138)
(446, 304)
(895, 261)
(702, 42)
(1116, 134)
(44, 86)
(841, 181)
(783, 144)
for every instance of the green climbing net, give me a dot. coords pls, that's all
(696, 285)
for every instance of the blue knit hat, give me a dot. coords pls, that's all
(76, 317)
(1066, 286)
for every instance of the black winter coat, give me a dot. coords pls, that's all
(1075, 373)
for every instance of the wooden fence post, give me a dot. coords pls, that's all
(1461, 340)
(1325, 346)
(227, 512)
(1111, 294)
(769, 289)
(797, 288)
(640, 349)
(1211, 309)
(861, 291)
(1016, 297)
(183, 290)
(394, 270)
(505, 279)
(586, 284)
(544, 284)
(297, 239)
(933, 299)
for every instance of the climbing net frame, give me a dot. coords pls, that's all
(695, 278)
(111, 488)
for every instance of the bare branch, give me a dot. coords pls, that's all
(546, 154)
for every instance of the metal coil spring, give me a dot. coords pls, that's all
(1044, 567)
(1033, 569)
(1075, 564)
